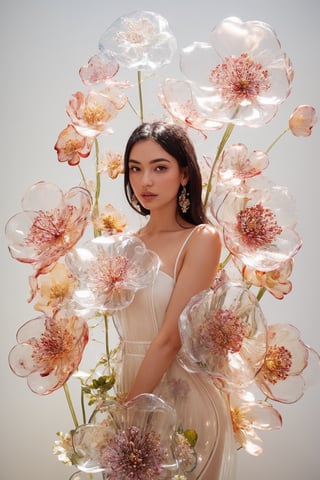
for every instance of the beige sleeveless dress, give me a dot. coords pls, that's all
(199, 405)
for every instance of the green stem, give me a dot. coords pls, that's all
(277, 139)
(260, 293)
(70, 404)
(98, 188)
(107, 336)
(83, 409)
(140, 95)
(82, 176)
(221, 146)
(225, 261)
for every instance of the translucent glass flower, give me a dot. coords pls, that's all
(177, 98)
(112, 164)
(258, 225)
(141, 40)
(224, 334)
(280, 377)
(50, 224)
(71, 146)
(99, 70)
(49, 350)
(110, 270)
(110, 220)
(91, 114)
(54, 288)
(302, 121)
(249, 415)
(131, 440)
(275, 281)
(241, 75)
(237, 164)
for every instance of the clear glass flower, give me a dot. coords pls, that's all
(237, 164)
(132, 440)
(98, 70)
(50, 224)
(249, 415)
(258, 224)
(241, 75)
(302, 121)
(177, 98)
(49, 350)
(275, 281)
(224, 334)
(141, 40)
(110, 270)
(281, 375)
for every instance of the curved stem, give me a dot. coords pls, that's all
(221, 146)
(70, 404)
(107, 336)
(277, 139)
(82, 176)
(98, 188)
(225, 261)
(140, 95)
(84, 417)
(260, 293)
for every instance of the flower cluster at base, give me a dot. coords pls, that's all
(78, 285)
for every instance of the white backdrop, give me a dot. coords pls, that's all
(43, 44)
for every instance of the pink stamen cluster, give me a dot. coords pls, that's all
(257, 225)
(277, 364)
(108, 272)
(223, 332)
(240, 78)
(49, 227)
(133, 455)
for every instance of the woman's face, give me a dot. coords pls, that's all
(154, 175)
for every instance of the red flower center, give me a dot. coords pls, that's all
(257, 225)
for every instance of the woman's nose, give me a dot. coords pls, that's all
(147, 179)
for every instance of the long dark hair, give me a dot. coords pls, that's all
(174, 140)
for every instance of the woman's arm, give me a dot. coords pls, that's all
(199, 265)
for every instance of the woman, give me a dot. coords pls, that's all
(163, 181)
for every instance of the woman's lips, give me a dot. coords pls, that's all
(148, 196)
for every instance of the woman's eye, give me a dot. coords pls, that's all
(134, 169)
(161, 168)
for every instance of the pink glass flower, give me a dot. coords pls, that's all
(50, 224)
(248, 416)
(258, 225)
(242, 75)
(131, 440)
(99, 70)
(280, 377)
(224, 334)
(54, 288)
(49, 350)
(91, 114)
(275, 281)
(71, 146)
(110, 270)
(141, 40)
(177, 98)
(236, 164)
(302, 121)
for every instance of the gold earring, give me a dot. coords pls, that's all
(183, 200)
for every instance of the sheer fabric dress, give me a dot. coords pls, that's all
(199, 405)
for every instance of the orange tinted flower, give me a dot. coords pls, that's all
(302, 121)
(71, 146)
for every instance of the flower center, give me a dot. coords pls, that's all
(223, 332)
(257, 225)
(240, 79)
(277, 364)
(138, 31)
(94, 113)
(108, 272)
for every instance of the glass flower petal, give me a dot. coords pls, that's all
(110, 270)
(50, 224)
(49, 350)
(140, 40)
(241, 75)
(223, 333)
(132, 440)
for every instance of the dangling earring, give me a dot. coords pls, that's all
(183, 200)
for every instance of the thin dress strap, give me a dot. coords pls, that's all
(181, 250)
